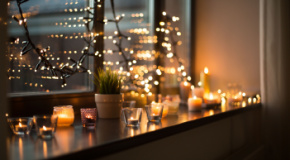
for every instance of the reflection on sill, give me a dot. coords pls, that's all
(52, 93)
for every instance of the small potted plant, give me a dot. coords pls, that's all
(108, 99)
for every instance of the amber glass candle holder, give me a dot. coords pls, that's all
(89, 117)
(65, 115)
(20, 126)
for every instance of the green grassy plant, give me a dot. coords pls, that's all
(107, 81)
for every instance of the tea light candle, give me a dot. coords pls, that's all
(133, 121)
(90, 119)
(210, 99)
(155, 117)
(65, 119)
(194, 103)
(235, 98)
(45, 131)
(204, 78)
(20, 127)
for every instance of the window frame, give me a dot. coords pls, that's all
(28, 105)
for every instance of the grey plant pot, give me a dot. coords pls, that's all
(108, 105)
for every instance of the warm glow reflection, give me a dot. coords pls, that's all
(44, 149)
(223, 104)
(244, 104)
(132, 132)
(205, 70)
(20, 148)
(90, 139)
(254, 100)
(151, 127)
(249, 100)
(211, 112)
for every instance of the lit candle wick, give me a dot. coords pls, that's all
(44, 128)
(210, 96)
(206, 70)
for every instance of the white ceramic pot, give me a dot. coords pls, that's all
(108, 105)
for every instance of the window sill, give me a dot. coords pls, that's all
(111, 135)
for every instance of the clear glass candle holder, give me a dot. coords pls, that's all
(130, 104)
(173, 107)
(132, 116)
(20, 126)
(45, 125)
(89, 117)
(154, 112)
(127, 104)
(65, 114)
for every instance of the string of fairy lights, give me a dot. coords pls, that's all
(169, 43)
(63, 71)
(140, 75)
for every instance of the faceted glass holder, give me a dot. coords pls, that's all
(20, 126)
(130, 104)
(89, 117)
(132, 116)
(45, 125)
(154, 112)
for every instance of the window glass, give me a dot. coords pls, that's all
(129, 44)
(53, 23)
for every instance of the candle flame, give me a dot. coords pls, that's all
(44, 128)
(89, 116)
(20, 125)
(199, 84)
(192, 87)
(250, 100)
(205, 70)
(131, 118)
(210, 96)
(194, 97)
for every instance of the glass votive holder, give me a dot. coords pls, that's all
(45, 125)
(173, 107)
(130, 104)
(20, 126)
(132, 116)
(154, 112)
(89, 117)
(65, 114)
